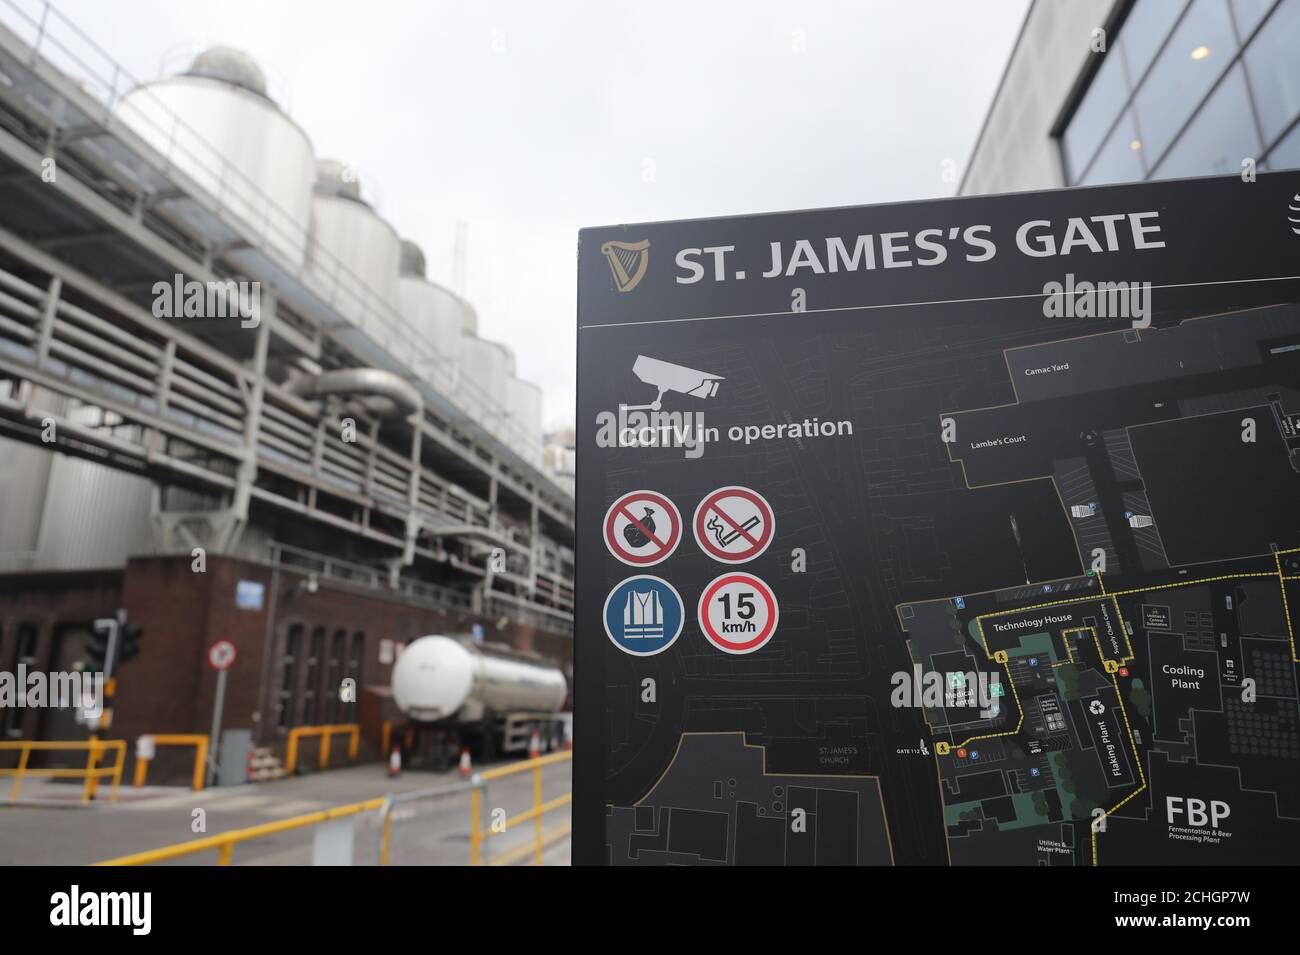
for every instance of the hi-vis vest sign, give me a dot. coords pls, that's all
(957, 532)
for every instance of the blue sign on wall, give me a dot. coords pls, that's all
(249, 595)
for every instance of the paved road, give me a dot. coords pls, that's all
(431, 831)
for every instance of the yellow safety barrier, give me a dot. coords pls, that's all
(326, 733)
(90, 772)
(197, 740)
(540, 839)
(225, 842)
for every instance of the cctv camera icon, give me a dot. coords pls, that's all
(669, 377)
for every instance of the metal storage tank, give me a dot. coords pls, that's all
(219, 109)
(93, 516)
(354, 255)
(439, 314)
(524, 401)
(25, 478)
(485, 368)
(470, 315)
(437, 678)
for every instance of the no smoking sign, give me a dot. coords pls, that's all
(738, 613)
(642, 528)
(734, 524)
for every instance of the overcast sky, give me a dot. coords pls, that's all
(529, 120)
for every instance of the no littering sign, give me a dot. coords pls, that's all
(642, 528)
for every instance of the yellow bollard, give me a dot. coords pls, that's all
(537, 807)
(200, 763)
(291, 754)
(388, 838)
(198, 741)
(22, 768)
(117, 769)
(89, 792)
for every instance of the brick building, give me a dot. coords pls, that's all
(298, 634)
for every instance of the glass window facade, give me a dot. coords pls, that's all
(1218, 136)
(1190, 89)
(1145, 32)
(1096, 113)
(1273, 62)
(1120, 158)
(1198, 51)
(1286, 154)
(1248, 14)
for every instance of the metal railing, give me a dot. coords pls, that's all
(90, 772)
(266, 223)
(326, 734)
(197, 740)
(476, 786)
(225, 842)
(541, 839)
(363, 575)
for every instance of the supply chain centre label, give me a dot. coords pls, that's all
(974, 528)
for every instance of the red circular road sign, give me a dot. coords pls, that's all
(221, 655)
(738, 613)
(734, 524)
(642, 528)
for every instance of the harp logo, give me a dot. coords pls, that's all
(628, 261)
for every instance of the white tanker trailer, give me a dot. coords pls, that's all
(457, 692)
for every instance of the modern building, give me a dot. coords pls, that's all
(1106, 91)
(233, 406)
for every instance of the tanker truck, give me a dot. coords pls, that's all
(457, 693)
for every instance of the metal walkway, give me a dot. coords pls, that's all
(195, 405)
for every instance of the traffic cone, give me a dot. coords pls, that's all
(535, 744)
(395, 762)
(464, 762)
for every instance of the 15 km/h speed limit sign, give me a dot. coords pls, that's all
(738, 613)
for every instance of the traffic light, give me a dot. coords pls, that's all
(97, 645)
(114, 641)
(129, 643)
